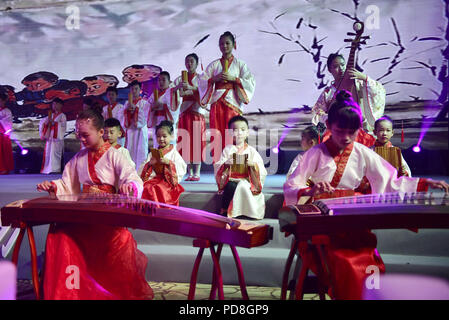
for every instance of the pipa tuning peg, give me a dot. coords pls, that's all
(350, 34)
(365, 37)
(347, 40)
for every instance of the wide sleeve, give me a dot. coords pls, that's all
(69, 182)
(297, 182)
(176, 169)
(206, 86)
(5, 121)
(245, 84)
(126, 154)
(294, 164)
(382, 176)
(319, 110)
(62, 126)
(374, 105)
(142, 115)
(257, 173)
(44, 130)
(126, 173)
(221, 169)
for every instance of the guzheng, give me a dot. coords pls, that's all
(374, 211)
(123, 211)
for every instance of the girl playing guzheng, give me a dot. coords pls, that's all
(228, 85)
(336, 168)
(164, 169)
(240, 174)
(107, 260)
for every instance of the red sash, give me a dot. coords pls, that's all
(341, 159)
(92, 159)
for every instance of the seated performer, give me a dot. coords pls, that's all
(310, 137)
(112, 133)
(115, 110)
(52, 129)
(240, 174)
(383, 129)
(136, 110)
(6, 156)
(164, 169)
(164, 106)
(191, 119)
(371, 94)
(108, 263)
(336, 168)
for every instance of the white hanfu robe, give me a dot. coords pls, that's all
(371, 100)
(294, 165)
(170, 111)
(248, 198)
(318, 165)
(137, 131)
(112, 169)
(116, 111)
(125, 153)
(54, 145)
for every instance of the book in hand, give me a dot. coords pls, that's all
(158, 166)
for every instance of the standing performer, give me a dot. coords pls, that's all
(112, 134)
(191, 119)
(115, 110)
(371, 94)
(164, 104)
(136, 110)
(164, 169)
(228, 84)
(6, 156)
(240, 175)
(336, 168)
(52, 129)
(109, 265)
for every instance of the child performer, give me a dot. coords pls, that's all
(6, 156)
(336, 168)
(164, 105)
(52, 130)
(164, 169)
(108, 263)
(191, 119)
(371, 94)
(136, 110)
(227, 86)
(383, 129)
(112, 133)
(115, 110)
(241, 182)
(309, 138)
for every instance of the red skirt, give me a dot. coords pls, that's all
(93, 262)
(194, 124)
(6, 156)
(159, 190)
(220, 114)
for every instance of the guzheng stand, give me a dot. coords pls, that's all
(217, 279)
(15, 255)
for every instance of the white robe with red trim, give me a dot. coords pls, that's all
(112, 169)
(244, 201)
(126, 154)
(170, 98)
(54, 145)
(318, 165)
(137, 134)
(189, 105)
(236, 98)
(371, 101)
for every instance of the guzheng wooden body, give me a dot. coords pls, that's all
(122, 211)
(377, 211)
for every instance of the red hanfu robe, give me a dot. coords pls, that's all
(162, 185)
(89, 261)
(191, 122)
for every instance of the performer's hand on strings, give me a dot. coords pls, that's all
(355, 74)
(127, 189)
(45, 186)
(438, 185)
(321, 187)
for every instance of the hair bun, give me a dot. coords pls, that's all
(344, 96)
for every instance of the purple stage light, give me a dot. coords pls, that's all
(24, 152)
(416, 149)
(275, 150)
